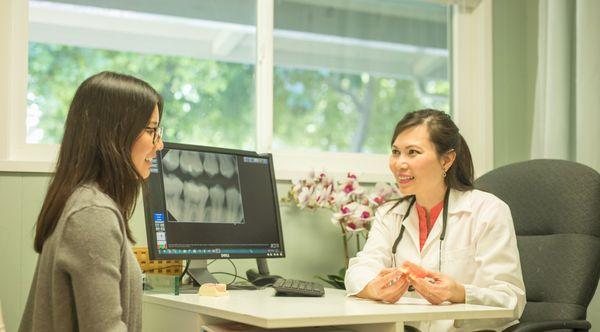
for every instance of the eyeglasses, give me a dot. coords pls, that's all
(157, 133)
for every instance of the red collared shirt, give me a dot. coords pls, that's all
(425, 224)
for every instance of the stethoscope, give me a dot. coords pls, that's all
(442, 235)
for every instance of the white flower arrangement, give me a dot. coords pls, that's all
(353, 206)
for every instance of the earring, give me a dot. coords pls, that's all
(443, 173)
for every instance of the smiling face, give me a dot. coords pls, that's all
(417, 167)
(143, 149)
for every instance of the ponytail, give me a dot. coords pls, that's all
(461, 175)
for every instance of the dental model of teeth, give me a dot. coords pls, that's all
(211, 165)
(234, 205)
(190, 163)
(171, 160)
(213, 290)
(173, 189)
(195, 197)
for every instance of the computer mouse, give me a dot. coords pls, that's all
(265, 281)
(242, 286)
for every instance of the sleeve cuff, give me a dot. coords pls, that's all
(470, 294)
(356, 282)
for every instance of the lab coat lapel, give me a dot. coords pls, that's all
(411, 227)
(458, 202)
(435, 233)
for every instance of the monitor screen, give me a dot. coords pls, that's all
(204, 202)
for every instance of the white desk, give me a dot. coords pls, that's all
(187, 312)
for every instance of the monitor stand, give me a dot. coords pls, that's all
(262, 277)
(199, 273)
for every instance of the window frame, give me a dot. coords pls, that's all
(471, 62)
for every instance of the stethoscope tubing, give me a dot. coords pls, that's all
(442, 235)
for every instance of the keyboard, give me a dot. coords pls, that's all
(291, 287)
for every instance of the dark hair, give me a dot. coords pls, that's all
(106, 116)
(444, 135)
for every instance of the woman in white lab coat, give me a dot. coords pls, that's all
(462, 238)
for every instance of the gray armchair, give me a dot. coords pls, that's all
(555, 206)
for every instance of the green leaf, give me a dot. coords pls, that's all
(333, 280)
(335, 277)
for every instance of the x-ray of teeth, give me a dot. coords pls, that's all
(234, 205)
(195, 197)
(217, 203)
(191, 163)
(173, 189)
(210, 164)
(171, 160)
(226, 165)
(202, 187)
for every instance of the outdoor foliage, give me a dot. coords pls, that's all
(212, 102)
(206, 102)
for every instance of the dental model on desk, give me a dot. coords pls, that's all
(213, 290)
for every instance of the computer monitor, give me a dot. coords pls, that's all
(208, 203)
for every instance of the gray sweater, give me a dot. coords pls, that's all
(87, 278)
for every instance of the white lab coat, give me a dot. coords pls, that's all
(479, 251)
(2, 327)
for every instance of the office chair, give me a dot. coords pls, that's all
(555, 206)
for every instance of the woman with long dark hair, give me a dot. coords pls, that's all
(443, 241)
(87, 278)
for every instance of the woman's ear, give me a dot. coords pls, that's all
(448, 159)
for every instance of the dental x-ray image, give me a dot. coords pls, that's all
(202, 187)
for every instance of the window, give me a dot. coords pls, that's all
(347, 71)
(201, 63)
(344, 72)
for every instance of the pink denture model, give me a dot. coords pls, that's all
(209, 289)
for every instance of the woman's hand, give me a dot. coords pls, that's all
(437, 288)
(389, 286)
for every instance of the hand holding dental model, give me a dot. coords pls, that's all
(433, 286)
(391, 283)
